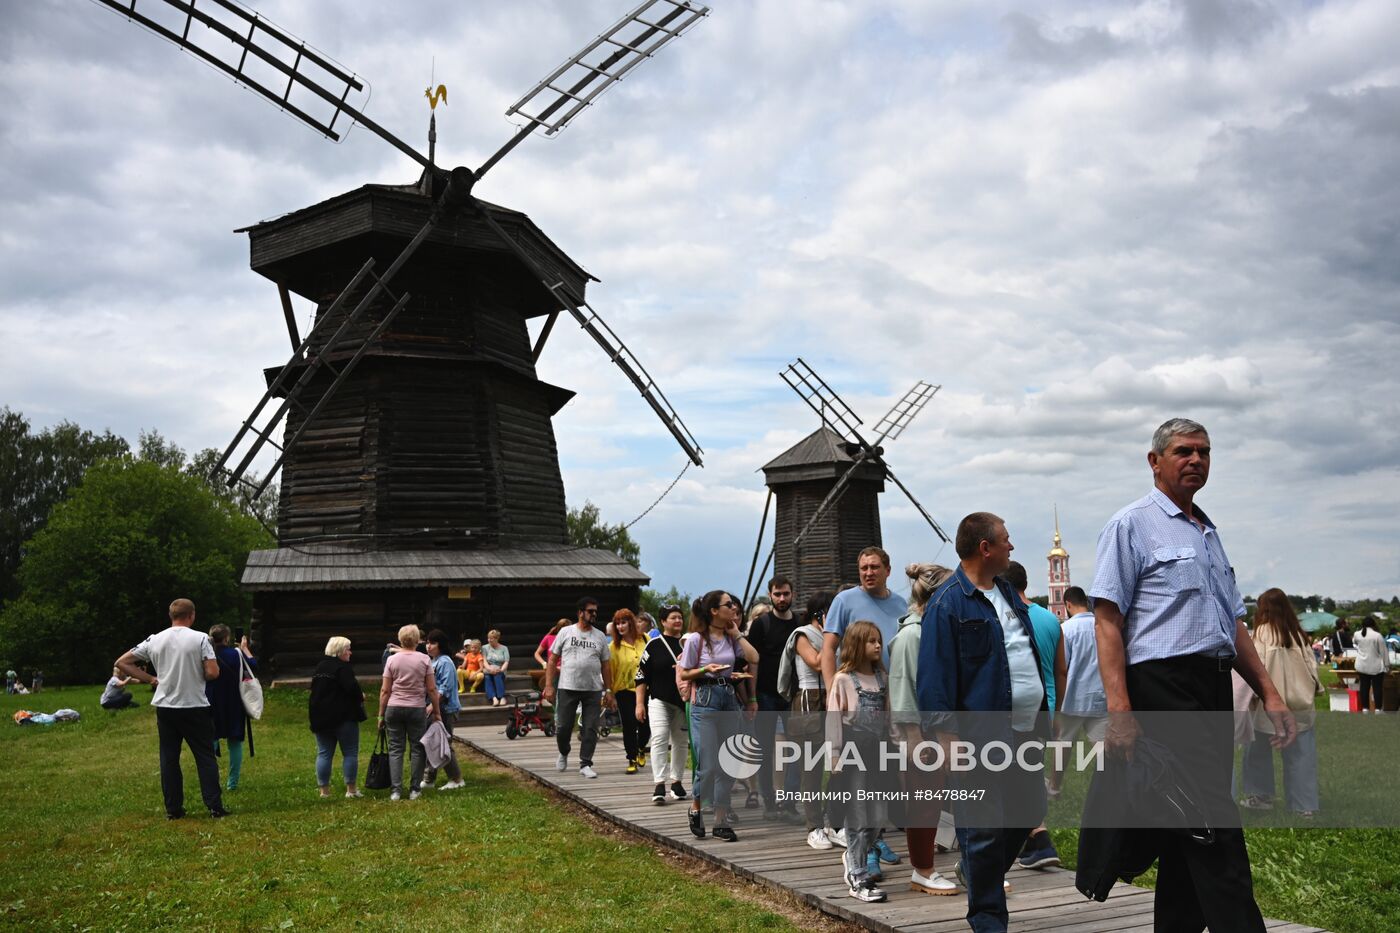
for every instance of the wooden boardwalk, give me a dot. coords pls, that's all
(777, 855)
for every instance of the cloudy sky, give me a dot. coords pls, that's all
(1080, 218)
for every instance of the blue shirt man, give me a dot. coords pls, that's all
(1169, 628)
(871, 601)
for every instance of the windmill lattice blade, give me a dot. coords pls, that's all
(621, 47)
(314, 355)
(260, 56)
(904, 411)
(823, 400)
(832, 497)
(917, 505)
(598, 329)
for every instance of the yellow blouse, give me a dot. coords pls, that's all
(625, 658)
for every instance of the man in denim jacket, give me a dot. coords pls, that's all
(980, 680)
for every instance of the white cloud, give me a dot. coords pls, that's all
(1079, 218)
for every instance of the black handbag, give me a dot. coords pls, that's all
(377, 774)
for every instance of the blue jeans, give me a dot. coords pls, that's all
(495, 686)
(1299, 770)
(714, 713)
(988, 853)
(347, 736)
(765, 728)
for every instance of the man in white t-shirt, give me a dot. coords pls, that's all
(183, 660)
(583, 674)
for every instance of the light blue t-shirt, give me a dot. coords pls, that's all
(856, 604)
(1047, 641)
(1026, 689)
(1084, 694)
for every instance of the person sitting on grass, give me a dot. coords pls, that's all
(115, 696)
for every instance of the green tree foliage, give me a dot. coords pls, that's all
(97, 578)
(587, 529)
(653, 600)
(36, 470)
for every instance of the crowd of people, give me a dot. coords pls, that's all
(1161, 628)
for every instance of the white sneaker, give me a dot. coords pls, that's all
(817, 839)
(414, 795)
(933, 883)
(453, 785)
(864, 890)
(587, 771)
(425, 785)
(837, 836)
(561, 763)
(395, 796)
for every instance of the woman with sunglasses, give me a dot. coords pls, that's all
(707, 660)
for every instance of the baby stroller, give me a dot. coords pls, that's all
(525, 716)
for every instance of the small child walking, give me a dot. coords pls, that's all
(859, 695)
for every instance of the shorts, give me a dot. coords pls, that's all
(1069, 725)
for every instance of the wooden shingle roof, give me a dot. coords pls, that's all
(334, 567)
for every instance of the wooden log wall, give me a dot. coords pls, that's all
(424, 454)
(828, 554)
(291, 629)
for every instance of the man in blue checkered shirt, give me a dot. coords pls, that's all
(1169, 624)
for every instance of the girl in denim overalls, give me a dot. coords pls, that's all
(859, 696)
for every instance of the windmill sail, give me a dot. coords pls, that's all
(261, 56)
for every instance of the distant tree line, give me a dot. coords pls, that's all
(96, 539)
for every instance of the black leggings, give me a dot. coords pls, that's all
(631, 729)
(1370, 687)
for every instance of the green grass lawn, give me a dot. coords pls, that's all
(85, 843)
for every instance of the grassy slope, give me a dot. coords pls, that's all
(85, 843)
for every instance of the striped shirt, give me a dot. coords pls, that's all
(1170, 579)
(1084, 694)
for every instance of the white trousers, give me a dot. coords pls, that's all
(668, 740)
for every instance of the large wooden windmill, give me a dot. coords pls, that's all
(827, 487)
(420, 479)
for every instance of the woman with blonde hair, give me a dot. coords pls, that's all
(472, 673)
(628, 643)
(337, 707)
(497, 658)
(408, 687)
(1284, 651)
(922, 786)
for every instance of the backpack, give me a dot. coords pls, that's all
(787, 664)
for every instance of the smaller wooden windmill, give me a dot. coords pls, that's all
(828, 484)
